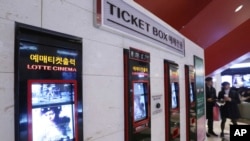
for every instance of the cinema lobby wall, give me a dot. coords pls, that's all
(103, 74)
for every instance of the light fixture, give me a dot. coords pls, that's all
(240, 65)
(238, 8)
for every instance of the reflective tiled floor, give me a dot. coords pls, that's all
(217, 131)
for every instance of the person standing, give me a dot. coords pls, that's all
(230, 108)
(210, 103)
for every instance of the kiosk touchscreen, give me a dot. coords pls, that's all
(174, 96)
(191, 91)
(52, 103)
(174, 111)
(140, 112)
(192, 104)
(140, 106)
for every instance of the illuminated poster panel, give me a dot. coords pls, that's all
(48, 93)
(191, 126)
(200, 98)
(52, 103)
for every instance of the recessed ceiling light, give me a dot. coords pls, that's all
(238, 8)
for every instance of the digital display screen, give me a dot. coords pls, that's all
(52, 111)
(138, 89)
(54, 123)
(191, 94)
(240, 80)
(174, 96)
(51, 93)
(139, 101)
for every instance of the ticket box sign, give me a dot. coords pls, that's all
(137, 94)
(123, 18)
(48, 94)
(172, 103)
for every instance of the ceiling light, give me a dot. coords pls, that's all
(238, 8)
(240, 65)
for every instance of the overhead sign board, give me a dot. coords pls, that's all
(118, 15)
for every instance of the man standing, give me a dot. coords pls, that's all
(230, 109)
(210, 102)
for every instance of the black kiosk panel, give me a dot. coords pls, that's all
(191, 125)
(172, 104)
(137, 95)
(48, 69)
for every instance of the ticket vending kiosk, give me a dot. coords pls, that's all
(172, 104)
(48, 85)
(191, 121)
(137, 95)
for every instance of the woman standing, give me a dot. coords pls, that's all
(230, 108)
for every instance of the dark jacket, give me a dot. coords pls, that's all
(210, 93)
(230, 109)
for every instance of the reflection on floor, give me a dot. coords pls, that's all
(226, 131)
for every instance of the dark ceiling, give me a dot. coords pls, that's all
(212, 24)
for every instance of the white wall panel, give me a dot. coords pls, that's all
(103, 106)
(25, 11)
(102, 59)
(7, 106)
(6, 46)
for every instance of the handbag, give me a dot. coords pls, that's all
(216, 113)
